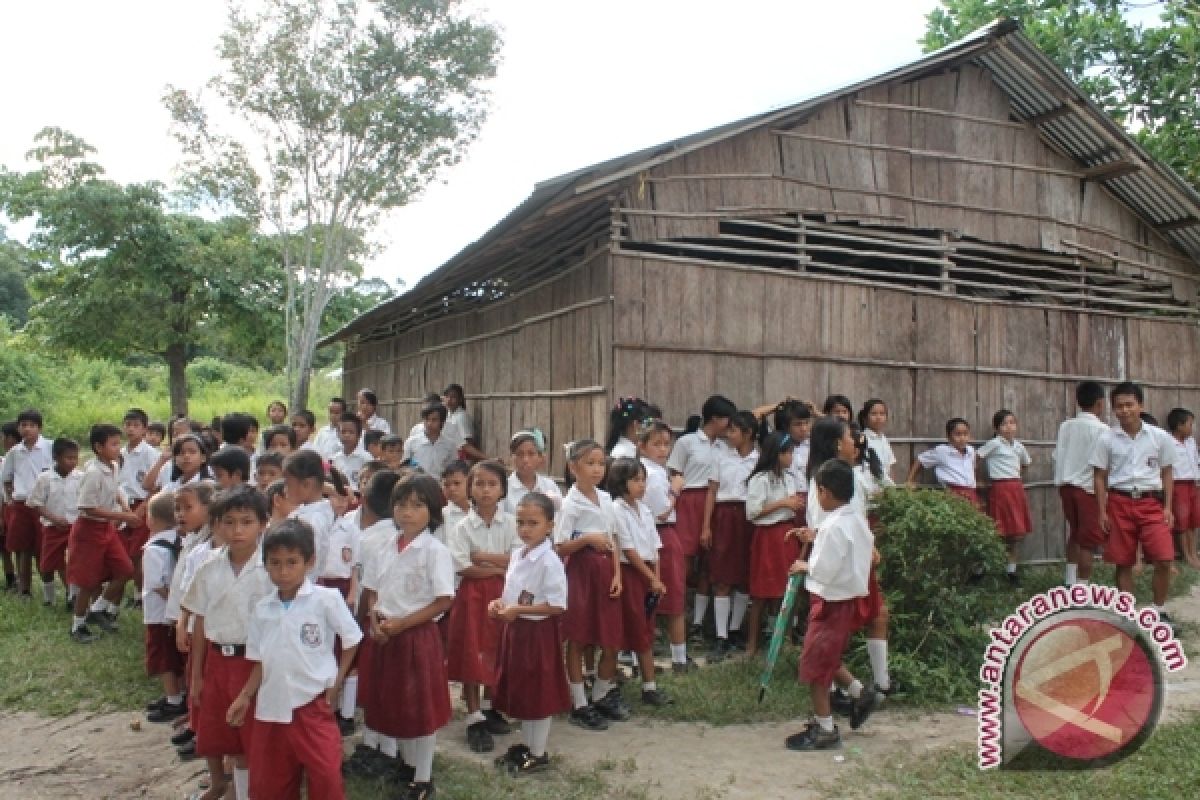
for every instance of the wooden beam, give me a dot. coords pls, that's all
(1113, 169)
(937, 112)
(1178, 224)
(1046, 116)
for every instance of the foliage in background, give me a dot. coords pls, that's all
(16, 265)
(354, 106)
(1144, 76)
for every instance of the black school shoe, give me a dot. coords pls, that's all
(737, 640)
(514, 756)
(588, 718)
(864, 704)
(530, 764)
(841, 703)
(613, 706)
(656, 698)
(478, 738)
(720, 651)
(83, 635)
(367, 762)
(813, 738)
(417, 791)
(167, 712)
(496, 724)
(156, 704)
(183, 737)
(102, 619)
(187, 751)
(345, 725)
(684, 668)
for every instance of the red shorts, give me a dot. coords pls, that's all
(1137, 522)
(408, 695)
(24, 526)
(341, 584)
(869, 607)
(732, 533)
(54, 549)
(592, 617)
(162, 657)
(1185, 505)
(224, 678)
(689, 519)
(96, 554)
(771, 556)
(673, 571)
(1083, 517)
(308, 749)
(1009, 508)
(134, 540)
(532, 682)
(830, 626)
(472, 637)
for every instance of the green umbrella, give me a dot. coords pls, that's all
(794, 585)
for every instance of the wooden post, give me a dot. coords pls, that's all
(801, 244)
(947, 263)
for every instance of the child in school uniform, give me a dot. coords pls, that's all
(837, 575)
(230, 467)
(694, 457)
(953, 463)
(268, 468)
(873, 419)
(372, 442)
(641, 581)
(163, 658)
(459, 426)
(224, 591)
(838, 405)
(137, 459)
(584, 537)
(528, 450)
(406, 587)
(22, 465)
(296, 678)
(481, 545)
(328, 438)
(431, 449)
(458, 502)
(55, 495)
(304, 476)
(1074, 477)
(279, 439)
(728, 534)
(795, 418)
(304, 423)
(188, 460)
(654, 444)
(531, 683)
(1005, 459)
(349, 457)
(11, 439)
(623, 421)
(1186, 502)
(771, 505)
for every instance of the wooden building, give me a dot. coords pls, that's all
(964, 233)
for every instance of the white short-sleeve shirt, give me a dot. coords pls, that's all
(1073, 450)
(1186, 458)
(406, 581)
(320, 516)
(878, 444)
(950, 467)
(624, 448)
(764, 489)
(694, 456)
(56, 494)
(100, 488)
(225, 599)
(135, 466)
(452, 515)
(342, 550)
(799, 468)
(431, 456)
(23, 464)
(377, 423)
(374, 538)
(636, 530)
(733, 470)
(658, 492)
(839, 566)
(474, 535)
(459, 422)
(814, 515)
(535, 577)
(158, 566)
(1134, 462)
(581, 515)
(328, 443)
(542, 483)
(294, 644)
(1003, 459)
(350, 464)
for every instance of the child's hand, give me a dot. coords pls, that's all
(378, 621)
(803, 535)
(495, 608)
(511, 613)
(130, 518)
(798, 568)
(236, 714)
(1169, 518)
(614, 591)
(183, 642)
(658, 587)
(706, 537)
(794, 502)
(875, 557)
(332, 694)
(600, 541)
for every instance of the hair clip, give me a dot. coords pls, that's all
(784, 438)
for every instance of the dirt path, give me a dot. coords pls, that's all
(101, 756)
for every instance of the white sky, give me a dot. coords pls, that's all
(580, 82)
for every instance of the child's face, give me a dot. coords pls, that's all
(190, 513)
(335, 414)
(348, 436)
(11, 441)
(526, 459)
(846, 449)
(798, 429)
(276, 413)
(302, 428)
(960, 436)
(1008, 428)
(785, 458)
(339, 502)
(589, 470)
(376, 450)
(486, 488)
(393, 455)
(242, 528)
(826, 499)
(301, 490)
(135, 431)
(736, 437)
(179, 427)
(267, 474)
(30, 431)
(109, 451)
(1184, 431)
(225, 478)
(636, 486)
(454, 486)
(287, 568)
(67, 462)
(281, 506)
(189, 459)
(410, 515)
(657, 447)
(365, 409)
(154, 438)
(279, 444)
(719, 425)
(433, 425)
(532, 525)
(1127, 410)
(841, 412)
(877, 417)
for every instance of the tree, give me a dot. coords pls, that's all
(118, 273)
(353, 106)
(1144, 76)
(16, 265)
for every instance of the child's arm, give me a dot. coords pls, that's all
(392, 626)
(481, 569)
(198, 651)
(236, 714)
(182, 639)
(150, 482)
(1168, 484)
(497, 610)
(913, 470)
(128, 517)
(496, 561)
(614, 590)
(651, 575)
(710, 503)
(1100, 482)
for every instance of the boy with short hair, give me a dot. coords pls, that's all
(155, 433)
(268, 470)
(22, 465)
(1134, 483)
(239, 430)
(1075, 479)
(158, 566)
(328, 439)
(349, 458)
(55, 495)
(304, 422)
(295, 681)
(372, 442)
(429, 449)
(392, 446)
(230, 467)
(97, 553)
(138, 457)
(838, 571)
(221, 597)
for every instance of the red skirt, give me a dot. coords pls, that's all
(408, 695)
(54, 549)
(637, 630)
(868, 607)
(162, 657)
(592, 617)
(96, 554)
(830, 626)
(341, 584)
(473, 638)
(967, 493)
(689, 519)
(224, 678)
(531, 682)
(732, 534)
(771, 556)
(673, 571)
(1009, 507)
(23, 528)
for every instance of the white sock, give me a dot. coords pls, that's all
(578, 696)
(72, 591)
(855, 688)
(475, 716)
(371, 738)
(387, 745)
(48, 592)
(536, 733)
(77, 623)
(486, 704)
(877, 653)
(99, 605)
(175, 699)
(1072, 574)
(349, 696)
(241, 783)
(600, 688)
(679, 653)
(721, 608)
(422, 762)
(700, 609)
(406, 750)
(740, 603)
(649, 686)
(1012, 568)
(1159, 609)
(826, 724)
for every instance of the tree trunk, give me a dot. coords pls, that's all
(299, 398)
(176, 356)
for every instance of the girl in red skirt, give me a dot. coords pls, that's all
(654, 443)
(771, 504)
(406, 586)
(727, 534)
(641, 582)
(953, 463)
(1005, 459)
(1185, 500)
(583, 535)
(531, 684)
(481, 546)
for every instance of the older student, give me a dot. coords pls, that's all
(137, 459)
(22, 465)
(327, 440)
(430, 449)
(1074, 477)
(368, 405)
(349, 458)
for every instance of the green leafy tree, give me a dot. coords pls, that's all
(119, 275)
(16, 265)
(352, 108)
(1143, 75)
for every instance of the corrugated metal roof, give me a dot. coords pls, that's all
(1036, 87)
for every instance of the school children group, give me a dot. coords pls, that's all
(286, 582)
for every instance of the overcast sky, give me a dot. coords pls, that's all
(580, 82)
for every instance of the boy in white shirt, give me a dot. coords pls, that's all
(22, 464)
(137, 459)
(327, 440)
(55, 495)
(349, 458)
(1073, 475)
(429, 449)
(838, 571)
(295, 682)
(1186, 507)
(158, 566)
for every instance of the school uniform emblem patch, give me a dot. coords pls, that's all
(310, 634)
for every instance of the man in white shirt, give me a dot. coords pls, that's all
(429, 449)
(1073, 475)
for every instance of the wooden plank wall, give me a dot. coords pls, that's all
(684, 331)
(541, 359)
